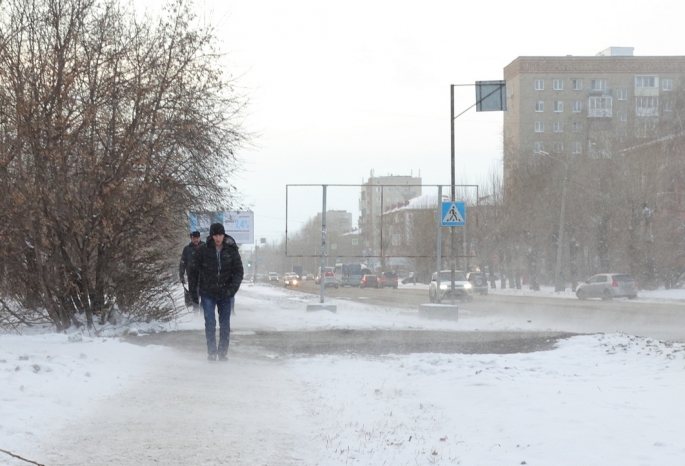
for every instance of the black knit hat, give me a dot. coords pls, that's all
(195, 234)
(216, 229)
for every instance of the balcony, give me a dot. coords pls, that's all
(594, 92)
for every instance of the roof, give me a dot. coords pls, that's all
(423, 202)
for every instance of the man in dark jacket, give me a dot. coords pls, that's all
(216, 272)
(186, 258)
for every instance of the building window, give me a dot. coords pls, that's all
(599, 107)
(668, 106)
(558, 147)
(667, 84)
(558, 106)
(577, 147)
(622, 115)
(539, 127)
(378, 189)
(539, 85)
(558, 84)
(577, 106)
(598, 84)
(577, 84)
(646, 106)
(538, 147)
(539, 106)
(577, 127)
(647, 81)
(558, 127)
(622, 94)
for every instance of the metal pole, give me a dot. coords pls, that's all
(438, 254)
(558, 281)
(453, 195)
(256, 260)
(452, 262)
(452, 134)
(323, 244)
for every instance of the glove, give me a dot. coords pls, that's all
(194, 298)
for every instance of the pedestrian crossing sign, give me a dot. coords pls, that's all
(453, 214)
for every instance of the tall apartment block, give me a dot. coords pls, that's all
(379, 194)
(588, 106)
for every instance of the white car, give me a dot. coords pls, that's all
(608, 286)
(463, 290)
(291, 279)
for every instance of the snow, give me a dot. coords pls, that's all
(601, 399)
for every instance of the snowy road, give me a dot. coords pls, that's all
(647, 316)
(277, 402)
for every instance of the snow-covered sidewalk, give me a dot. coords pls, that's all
(598, 399)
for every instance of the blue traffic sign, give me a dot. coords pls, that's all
(453, 214)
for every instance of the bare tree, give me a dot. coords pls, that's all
(112, 127)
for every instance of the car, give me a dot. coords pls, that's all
(388, 279)
(310, 276)
(273, 277)
(608, 286)
(369, 281)
(412, 278)
(328, 273)
(330, 281)
(291, 279)
(478, 281)
(463, 290)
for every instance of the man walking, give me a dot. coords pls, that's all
(216, 272)
(184, 266)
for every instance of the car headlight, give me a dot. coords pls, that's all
(467, 285)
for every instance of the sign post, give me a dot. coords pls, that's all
(490, 96)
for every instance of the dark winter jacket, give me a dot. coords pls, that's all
(186, 257)
(214, 281)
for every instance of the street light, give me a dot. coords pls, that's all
(558, 285)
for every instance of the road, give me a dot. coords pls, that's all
(549, 318)
(663, 321)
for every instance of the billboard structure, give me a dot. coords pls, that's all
(239, 225)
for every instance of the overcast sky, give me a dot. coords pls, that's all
(338, 89)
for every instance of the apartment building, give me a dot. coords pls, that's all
(378, 195)
(588, 106)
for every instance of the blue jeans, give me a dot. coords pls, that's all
(224, 307)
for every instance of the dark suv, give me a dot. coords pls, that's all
(389, 279)
(478, 281)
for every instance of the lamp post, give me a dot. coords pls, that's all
(490, 96)
(558, 285)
